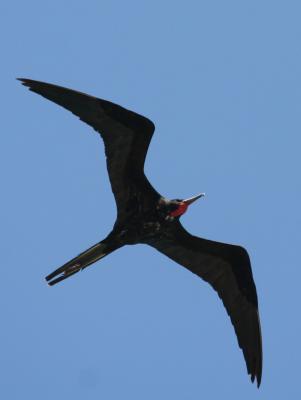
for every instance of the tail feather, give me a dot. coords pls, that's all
(61, 278)
(78, 263)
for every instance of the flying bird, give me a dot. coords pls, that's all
(145, 216)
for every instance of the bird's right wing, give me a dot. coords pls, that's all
(227, 269)
(126, 136)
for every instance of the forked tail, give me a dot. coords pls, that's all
(80, 262)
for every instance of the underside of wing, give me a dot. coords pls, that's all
(126, 136)
(227, 269)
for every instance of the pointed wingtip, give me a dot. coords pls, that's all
(256, 375)
(258, 379)
(25, 81)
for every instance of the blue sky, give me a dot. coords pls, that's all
(221, 81)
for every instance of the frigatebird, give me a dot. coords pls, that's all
(144, 216)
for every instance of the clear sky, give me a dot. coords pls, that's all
(221, 81)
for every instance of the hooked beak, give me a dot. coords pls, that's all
(193, 199)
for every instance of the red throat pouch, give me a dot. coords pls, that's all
(180, 210)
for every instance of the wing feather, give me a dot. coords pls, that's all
(227, 269)
(126, 136)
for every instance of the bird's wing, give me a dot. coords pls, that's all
(228, 270)
(126, 136)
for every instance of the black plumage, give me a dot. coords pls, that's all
(144, 216)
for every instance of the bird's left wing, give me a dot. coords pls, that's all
(227, 268)
(126, 136)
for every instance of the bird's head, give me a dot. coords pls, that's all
(179, 207)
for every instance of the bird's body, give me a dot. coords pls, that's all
(144, 216)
